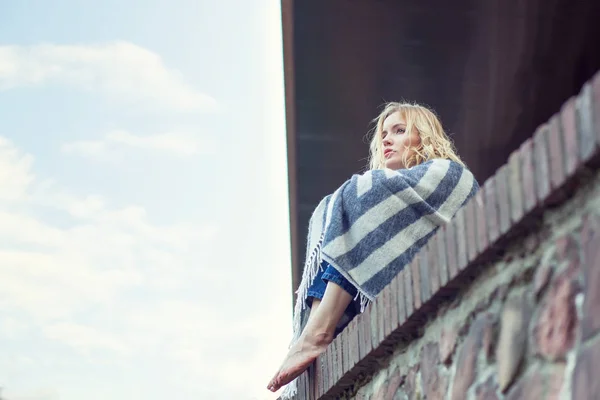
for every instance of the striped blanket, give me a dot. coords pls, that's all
(375, 223)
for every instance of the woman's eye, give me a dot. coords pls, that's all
(400, 131)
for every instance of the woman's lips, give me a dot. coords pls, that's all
(388, 153)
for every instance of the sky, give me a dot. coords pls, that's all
(144, 234)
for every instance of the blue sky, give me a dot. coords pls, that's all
(144, 241)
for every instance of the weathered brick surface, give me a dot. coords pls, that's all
(471, 230)
(482, 222)
(466, 362)
(433, 264)
(512, 341)
(503, 201)
(557, 324)
(585, 124)
(408, 291)
(391, 319)
(442, 257)
(448, 338)
(389, 388)
(596, 106)
(451, 250)
(586, 385)
(461, 239)
(434, 384)
(487, 390)
(401, 298)
(591, 248)
(528, 185)
(514, 188)
(424, 263)
(491, 210)
(542, 168)
(364, 335)
(556, 153)
(569, 131)
(416, 283)
(542, 277)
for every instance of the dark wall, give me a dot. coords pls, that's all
(492, 69)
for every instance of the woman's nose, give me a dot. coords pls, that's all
(387, 141)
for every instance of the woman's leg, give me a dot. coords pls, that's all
(316, 336)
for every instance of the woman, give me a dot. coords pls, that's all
(362, 235)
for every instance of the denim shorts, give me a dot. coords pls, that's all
(329, 274)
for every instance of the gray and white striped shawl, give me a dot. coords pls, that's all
(375, 223)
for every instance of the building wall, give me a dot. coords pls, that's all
(520, 330)
(504, 301)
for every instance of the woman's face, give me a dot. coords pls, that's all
(397, 142)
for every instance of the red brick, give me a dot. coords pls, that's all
(491, 210)
(401, 298)
(392, 307)
(590, 238)
(331, 370)
(305, 387)
(424, 276)
(512, 340)
(542, 168)
(585, 384)
(434, 384)
(555, 153)
(345, 345)
(451, 251)
(528, 176)
(416, 282)
(569, 132)
(353, 343)
(364, 334)
(461, 239)
(596, 106)
(585, 125)
(466, 362)
(320, 369)
(442, 257)
(338, 362)
(432, 256)
(503, 199)
(375, 338)
(471, 230)
(557, 324)
(482, 226)
(515, 188)
(408, 291)
(381, 314)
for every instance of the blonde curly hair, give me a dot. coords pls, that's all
(435, 143)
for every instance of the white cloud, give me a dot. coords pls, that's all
(15, 171)
(176, 143)
(123, 70)
(85, 339)
(112, 288)
(40, 394)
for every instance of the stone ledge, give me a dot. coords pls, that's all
(540, 174)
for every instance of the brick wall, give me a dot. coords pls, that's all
(504, 302)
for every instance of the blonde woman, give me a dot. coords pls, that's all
(364, 233)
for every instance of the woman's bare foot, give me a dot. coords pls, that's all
(299, 358)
